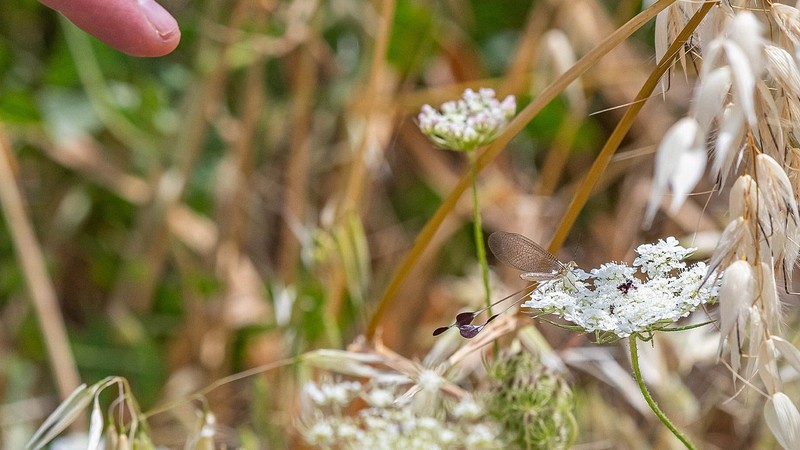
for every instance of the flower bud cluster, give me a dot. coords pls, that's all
(468, 123)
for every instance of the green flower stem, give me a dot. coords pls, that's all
(650, 401)
(478, 231)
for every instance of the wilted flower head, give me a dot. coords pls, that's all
(612, 300)
(468, 123)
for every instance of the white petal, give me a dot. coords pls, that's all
(711, 34)
(782, 67)
(711, 55)
(791, 249)
(783, 420)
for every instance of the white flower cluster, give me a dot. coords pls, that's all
(468, 123)
(332, 393)
(612, 300)
(387, 425)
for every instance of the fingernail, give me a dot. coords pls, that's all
(162, 21)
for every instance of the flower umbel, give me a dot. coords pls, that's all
(619, 300)
(386, 424)
(469, 123)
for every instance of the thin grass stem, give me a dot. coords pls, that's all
(612, 144)
(31, 258)
(497, 146)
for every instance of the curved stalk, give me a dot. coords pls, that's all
(613, 142)
(649, 399)
(495, 148)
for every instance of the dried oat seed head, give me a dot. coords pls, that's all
(783, 420)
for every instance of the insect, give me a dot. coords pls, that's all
(626, 286)
(536, 264)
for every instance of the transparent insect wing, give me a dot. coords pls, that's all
(522, 253)
(536, 263)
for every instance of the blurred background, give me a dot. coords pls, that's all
(248, 197)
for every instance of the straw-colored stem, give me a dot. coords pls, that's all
(612, 144)
(556, 159)
(649, 399)
(358, 171)
(297, 167)
(496, 147)
(203, 393)
(40, 286)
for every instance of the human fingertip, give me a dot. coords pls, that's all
(162, 21)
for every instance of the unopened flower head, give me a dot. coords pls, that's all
(621, 300)
(534, 404)
(468, 123)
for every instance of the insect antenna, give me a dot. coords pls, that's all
(524, 254)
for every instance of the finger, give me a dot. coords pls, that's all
(135, 27)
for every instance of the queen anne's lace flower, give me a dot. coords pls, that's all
(468, 123)
(612, 299)
(662, 257)
(332, 393)
(387, 425)
(467, 408)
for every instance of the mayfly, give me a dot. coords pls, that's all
(536, 264)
